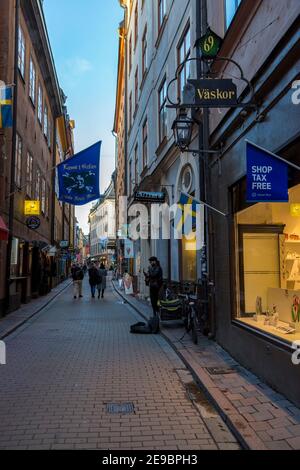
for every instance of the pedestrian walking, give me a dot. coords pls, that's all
(154, 279)
(77, 276)
(102, 281)
(93, 279)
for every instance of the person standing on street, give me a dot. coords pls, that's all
(93, 279)
(77, 276)
(102, 281)
(154, 279)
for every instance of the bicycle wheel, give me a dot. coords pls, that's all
(194, 332)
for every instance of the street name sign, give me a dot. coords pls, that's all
(143, 196)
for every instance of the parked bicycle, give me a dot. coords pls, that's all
(190, 315)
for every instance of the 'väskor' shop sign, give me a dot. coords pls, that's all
(215, 93)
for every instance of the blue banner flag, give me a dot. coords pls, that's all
(267, 176)
(6, 107)
(78, 177)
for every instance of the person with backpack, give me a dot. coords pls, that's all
(93, 279)
(154, 279)
(77, 276)
(101, 281)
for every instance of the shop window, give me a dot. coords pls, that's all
(189, 260)
(267, 241)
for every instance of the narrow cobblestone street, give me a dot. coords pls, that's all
(67, 363)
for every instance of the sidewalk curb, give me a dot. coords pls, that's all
(22, 322)
(233, 420)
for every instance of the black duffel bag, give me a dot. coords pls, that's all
(152, 327)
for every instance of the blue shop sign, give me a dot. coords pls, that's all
(267, 176)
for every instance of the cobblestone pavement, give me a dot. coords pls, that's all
(76, 356)
(262, 418)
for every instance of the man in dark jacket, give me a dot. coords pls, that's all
(77, 276)
(93, 279)
(154, 279)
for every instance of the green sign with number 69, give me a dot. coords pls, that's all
(209, 44)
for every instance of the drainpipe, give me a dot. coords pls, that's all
(13, 159)
(204, 181)
(125, 7)
(53, 198)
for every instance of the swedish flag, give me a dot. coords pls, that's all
(185, 219)
(6, 112)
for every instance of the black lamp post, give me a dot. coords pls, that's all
(183, 128)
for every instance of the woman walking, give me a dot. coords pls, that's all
(102, 281)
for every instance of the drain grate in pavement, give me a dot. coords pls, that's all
(120, 408)
(220, 370)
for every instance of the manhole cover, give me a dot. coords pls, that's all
(120, 408)
(220, 370)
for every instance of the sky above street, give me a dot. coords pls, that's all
(84, 40)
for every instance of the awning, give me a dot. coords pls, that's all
(3, 230)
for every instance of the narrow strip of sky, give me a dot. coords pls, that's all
(84, 40)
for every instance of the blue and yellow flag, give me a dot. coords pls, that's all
(6, 105)
(186, 216)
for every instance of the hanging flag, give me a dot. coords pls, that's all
(78, 177)
(267, 176)
(6, 105)
(186, 216)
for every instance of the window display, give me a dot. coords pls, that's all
(267, 240)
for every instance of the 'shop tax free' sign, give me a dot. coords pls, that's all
(267, 176)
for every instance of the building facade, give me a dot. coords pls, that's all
(159, 36)
(119, 130)
(102, 221)
(29, 153)
(256, 249)
(251, 259)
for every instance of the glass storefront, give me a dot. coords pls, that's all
(267, 244)
(189, 260)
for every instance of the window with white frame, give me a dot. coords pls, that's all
(29, 174)
(49, 132)
(184, 50)
(32, 80)
(46, 121)
(38, 185)
(145, 143)
(136, 165)
(130, 177)
(136, 88)
(21, 52)
(144, 52)
(40, 104)
(162, 9)
(136, 24)
(162, 118)
(43, 197)
(18, 161)
(130, 110)
(231, 7)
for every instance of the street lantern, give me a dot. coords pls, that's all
(183, 128)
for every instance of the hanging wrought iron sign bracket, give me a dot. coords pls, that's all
(210, 92)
